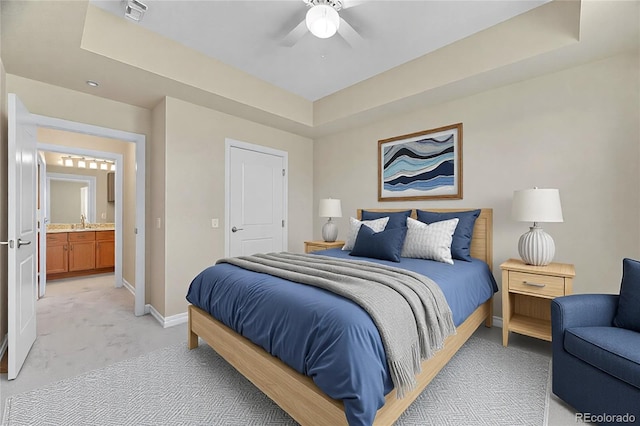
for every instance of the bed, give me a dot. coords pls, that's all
(297, 393)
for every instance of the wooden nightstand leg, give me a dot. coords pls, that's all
(506, 308)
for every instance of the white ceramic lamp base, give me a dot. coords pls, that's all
(329, 231)
(536, 247)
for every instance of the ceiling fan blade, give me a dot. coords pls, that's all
(353, 3)
(349, 35)
(295, 34)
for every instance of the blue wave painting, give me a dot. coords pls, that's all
(424, 165)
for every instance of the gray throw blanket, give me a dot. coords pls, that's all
(409, 309)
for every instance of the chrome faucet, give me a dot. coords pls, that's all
(83, 220)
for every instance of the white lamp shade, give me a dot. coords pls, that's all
(322, 20)
(330, 207)
(537, 205)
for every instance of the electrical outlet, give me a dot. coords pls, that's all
(214, 223)
(158, 223)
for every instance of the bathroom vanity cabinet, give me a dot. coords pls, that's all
(80, 252)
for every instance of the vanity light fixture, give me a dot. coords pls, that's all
(104, 166)
(113, 167)
(82, 164)
(93, 165)
(68, 162)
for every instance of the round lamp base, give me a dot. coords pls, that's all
(536, 247)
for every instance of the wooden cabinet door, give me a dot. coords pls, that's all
(105, 254)
(105, 249)
(57, 257)
(82, 255)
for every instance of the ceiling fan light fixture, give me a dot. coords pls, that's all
(322, 20)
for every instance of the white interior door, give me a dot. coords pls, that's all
(22, 258)
(256, 200)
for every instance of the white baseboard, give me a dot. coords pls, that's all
(148, 309)
(497, 321)
(132, 290)
(169, 321)
(129, 287)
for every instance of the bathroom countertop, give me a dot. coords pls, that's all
(63, 227)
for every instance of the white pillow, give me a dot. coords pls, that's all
(429, 241)
(377, 225)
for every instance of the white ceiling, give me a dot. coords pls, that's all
(65, 43)
(248, 35)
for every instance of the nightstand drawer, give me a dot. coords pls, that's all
(541, 285)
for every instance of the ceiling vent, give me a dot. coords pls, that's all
(135, 10)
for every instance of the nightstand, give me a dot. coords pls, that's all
(527, 292)
(311, 246)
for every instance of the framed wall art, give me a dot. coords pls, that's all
(425, 165)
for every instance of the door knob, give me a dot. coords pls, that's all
(7, 243)
(23, 243)
(234, 229)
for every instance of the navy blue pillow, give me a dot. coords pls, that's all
(628, 314)
(461, 243)
(385, 245)
(396, 219)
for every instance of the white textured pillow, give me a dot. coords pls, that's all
(377, 225)
(429, 241)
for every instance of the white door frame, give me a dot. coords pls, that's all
(140, 141)
(42, 225)
(231, 143)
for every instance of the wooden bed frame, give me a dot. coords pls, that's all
(297, 394)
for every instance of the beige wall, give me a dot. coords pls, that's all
(576, 130)
(95, 143)
(194, 177)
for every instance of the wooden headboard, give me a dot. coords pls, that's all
(482, 239)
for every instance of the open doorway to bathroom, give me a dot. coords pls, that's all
(125, 152)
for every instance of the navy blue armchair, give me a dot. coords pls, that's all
(596, 366)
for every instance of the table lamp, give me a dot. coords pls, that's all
(536, 247)
(330, 208)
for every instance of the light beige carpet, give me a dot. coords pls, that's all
(484, 384)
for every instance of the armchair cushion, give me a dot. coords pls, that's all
(628, 314)
(616, 351)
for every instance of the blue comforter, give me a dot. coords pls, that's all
(325, 336)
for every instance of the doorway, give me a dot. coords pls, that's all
(139, 141)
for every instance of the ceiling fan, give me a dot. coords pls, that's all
(323, 21)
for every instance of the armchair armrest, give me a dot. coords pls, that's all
(582, 310)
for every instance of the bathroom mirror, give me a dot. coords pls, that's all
(69, 197)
